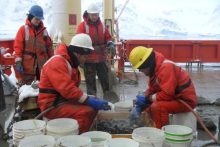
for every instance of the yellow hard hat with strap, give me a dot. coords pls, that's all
(138, 55)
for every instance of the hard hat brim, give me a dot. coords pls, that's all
(41, 18)
(91, 48)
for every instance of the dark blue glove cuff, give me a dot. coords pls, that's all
(111, 44)
(148, 99)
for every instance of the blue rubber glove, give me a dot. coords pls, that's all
(19, 67)
(97, 104)
(135, 112)
(112, 48)
(141, 100)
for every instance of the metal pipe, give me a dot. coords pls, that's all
(122, 10)
(116, 21)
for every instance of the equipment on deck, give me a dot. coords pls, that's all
(110, 95)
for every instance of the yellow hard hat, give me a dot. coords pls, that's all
(138, 55)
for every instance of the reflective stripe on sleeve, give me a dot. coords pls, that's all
(18, 59)
(154, 97)
(83, 98)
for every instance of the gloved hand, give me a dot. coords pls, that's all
(141, 100)
(97, 103)
(112, 48)
(135, 112)
(19, 67)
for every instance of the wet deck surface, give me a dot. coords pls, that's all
(206, 81)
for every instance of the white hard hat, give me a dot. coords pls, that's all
(82, 40)
(93, 8)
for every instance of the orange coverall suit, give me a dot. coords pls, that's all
(96, 62)
(169, 83)
(33, 50)
(56, 77)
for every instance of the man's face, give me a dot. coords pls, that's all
(35, 21)
(81, 58)
(94, 17)
(146, 71)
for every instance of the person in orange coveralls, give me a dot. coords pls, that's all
(167, 83)
(101, 38)
(60, 79)
(32, 46)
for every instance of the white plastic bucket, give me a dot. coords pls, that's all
(27, 128)
(37, 141)
(176, 143)
(186, 119)
(177, 135)
(121, 142)
(148, 136)
(74, 141)
(62, 127)
(98, 138)
(178, 132)
(123, 107)
(29, 125)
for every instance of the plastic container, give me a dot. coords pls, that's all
(123, 107)
(62, 127)
(148, 136)
(186, 119)
(176, 143)
(29, 125)
(121, 142)
(98, 138)
(37, 141)
(177, 135)
(74, 141)
(27, 128)
(178, 132)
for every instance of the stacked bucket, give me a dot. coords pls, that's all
(98, 138)
(74, 140)
(38, 141)
(26, 128)
(62, 127)
(187, 119)
(177, 135)
(148, 137)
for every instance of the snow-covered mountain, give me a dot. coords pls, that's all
(141, 19)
